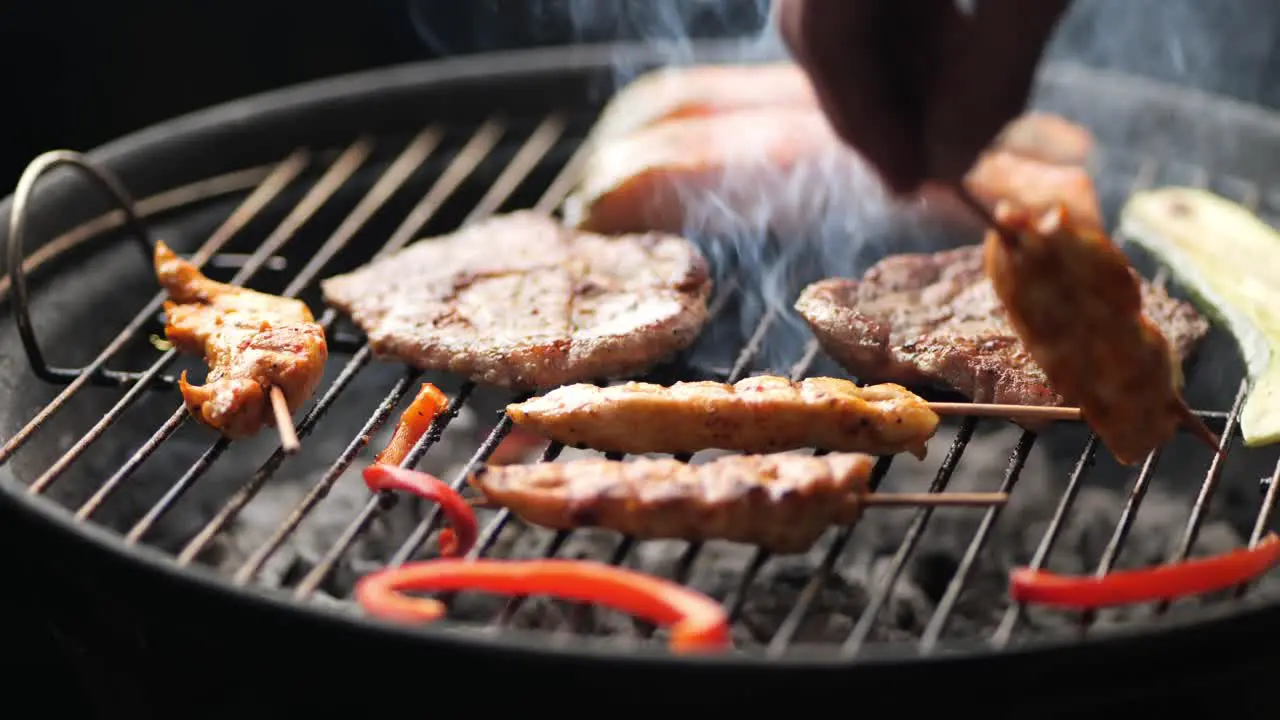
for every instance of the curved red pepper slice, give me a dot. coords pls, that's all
(1165, 582)
(698, 623)
(453, 542)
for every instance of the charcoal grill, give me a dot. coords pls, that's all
(299, 184)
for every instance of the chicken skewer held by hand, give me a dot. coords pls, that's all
(782, 502)
(1074, 299)
(263, 350)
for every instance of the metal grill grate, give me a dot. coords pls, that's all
(534, 151)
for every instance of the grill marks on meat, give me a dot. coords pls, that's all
(934, 319)
(756, 415)
(251, 341)
(782, 502)
(521, 301)
(1075, 300)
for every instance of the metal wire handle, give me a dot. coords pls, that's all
(16, 256)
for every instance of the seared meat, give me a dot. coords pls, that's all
(758, 415)
(935, 319)
(521, 301)
(783, 168)
(251, 341)
(782, 502)
(1076, 304)
(770, 160)
(682, 92)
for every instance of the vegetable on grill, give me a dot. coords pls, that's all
(1166, 582)
(757, 415)
(453, 541)
(1075, 302)
(698, 623)
(253, 342)
(414, 423)
(1230, 261)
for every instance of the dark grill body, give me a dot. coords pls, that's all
(158, 526)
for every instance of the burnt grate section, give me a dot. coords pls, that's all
(746, 578)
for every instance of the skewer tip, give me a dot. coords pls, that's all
(284, 422)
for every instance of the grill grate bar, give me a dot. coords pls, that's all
(247, 492)
(455, 174)
(734, 603)
(318, 491)
(271, 187)
(1118, 537)
(1198, 510)
(866, 621)
(329, 183)
(791, 623)
(391, 180)
(947, 605)
(1004, 633)
(1263, 521)
(526, 159)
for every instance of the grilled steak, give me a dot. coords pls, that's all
(781, 502)
(523, 302)
(935, 319)
(759, 414)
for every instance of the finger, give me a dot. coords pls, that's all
(986, 79)
(841, 44)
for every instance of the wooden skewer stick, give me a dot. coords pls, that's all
(948, 499)
(1009, 239)
(284, 422)
(884, 499)
(1020, 412)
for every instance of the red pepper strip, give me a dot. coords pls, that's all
(453, 542)
(698, 623)
(414, 423)
(1165, 582)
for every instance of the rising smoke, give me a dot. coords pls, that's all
(767, 230)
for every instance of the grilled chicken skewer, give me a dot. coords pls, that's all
(256, 345)
(1075, 301)
(782, 502)
(756, 415)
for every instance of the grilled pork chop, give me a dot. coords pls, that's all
(521, 301)
(782, 502)
(757, 415)
(935, 319)
(783, 167)
(251, 341)
(674, 93)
